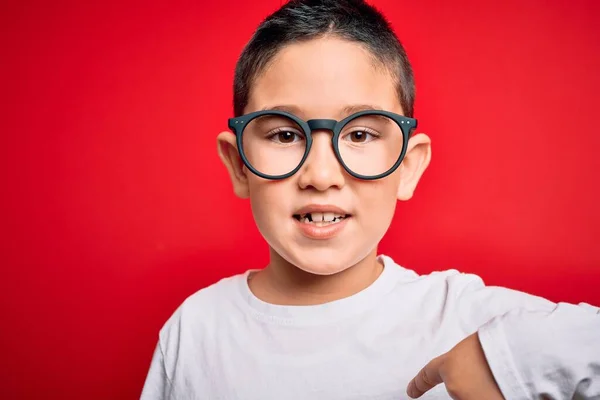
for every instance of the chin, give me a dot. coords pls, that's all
(323, 269)
(325, 261)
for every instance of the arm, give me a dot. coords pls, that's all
(552, 354)
(524, 347)
(158, 384)
(533, 346)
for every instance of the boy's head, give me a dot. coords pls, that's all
(324, 59)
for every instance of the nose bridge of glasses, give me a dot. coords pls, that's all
(321, 124)
(322, 156)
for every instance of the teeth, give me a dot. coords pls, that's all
(321, 219)
(327, 216)
(316, 217)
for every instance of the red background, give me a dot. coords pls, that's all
(116, 207)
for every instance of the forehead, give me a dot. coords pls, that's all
(323, 78)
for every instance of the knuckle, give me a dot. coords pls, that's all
(426, 378)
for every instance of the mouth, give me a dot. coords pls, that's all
(321, 218)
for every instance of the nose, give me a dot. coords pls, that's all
(321, 170)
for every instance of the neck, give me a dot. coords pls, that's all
(285, 284)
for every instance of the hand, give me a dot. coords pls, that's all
(464, 370)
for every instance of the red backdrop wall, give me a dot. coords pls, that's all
(116, 207)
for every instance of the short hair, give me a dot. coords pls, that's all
(304, 20)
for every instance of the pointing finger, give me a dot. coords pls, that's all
(427, 378)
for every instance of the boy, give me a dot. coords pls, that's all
(321, 146)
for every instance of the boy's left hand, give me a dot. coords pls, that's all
(464, 370)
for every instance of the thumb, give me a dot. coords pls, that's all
(427, 378)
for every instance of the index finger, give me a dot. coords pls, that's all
(428, 377)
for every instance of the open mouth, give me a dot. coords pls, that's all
(321, 218)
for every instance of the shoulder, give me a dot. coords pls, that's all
(194, 327)
(199, 312)
(446, 281)
(457, 284)
(467, 296)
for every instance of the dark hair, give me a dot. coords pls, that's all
(303, 20)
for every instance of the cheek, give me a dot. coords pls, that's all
(378, 204)
(267, 202)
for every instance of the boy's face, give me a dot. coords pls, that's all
(323, 78)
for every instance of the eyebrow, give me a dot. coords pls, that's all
(353, 109)
(344, 112)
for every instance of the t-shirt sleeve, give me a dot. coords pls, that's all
(158, 384)
(535, 348)
(540, 354)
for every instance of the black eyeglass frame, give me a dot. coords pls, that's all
(238, 124)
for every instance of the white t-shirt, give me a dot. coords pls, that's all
(225, 343)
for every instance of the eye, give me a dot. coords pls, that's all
(285, 136)
(360, 136)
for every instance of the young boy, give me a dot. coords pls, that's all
(322, 147)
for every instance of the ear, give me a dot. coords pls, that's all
(416, 161)
(228, 152)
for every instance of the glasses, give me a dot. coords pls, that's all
(368, 144)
